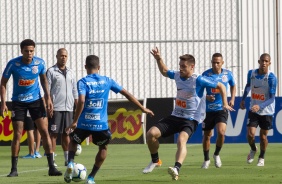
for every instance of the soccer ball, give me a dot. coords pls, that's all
(78, 150)
(79, 172)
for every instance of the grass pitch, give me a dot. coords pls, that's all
(125, 163)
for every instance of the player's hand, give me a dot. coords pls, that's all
(4, 110)
(242, 105)
(148, 111)
(49, 108)
(156, 53)
(70, 128)
(229, 108)
(231, 103)
(210, 98)
(255, 108)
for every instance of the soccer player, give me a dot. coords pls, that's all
(187, 113)
(26, 70)
(216, 116)
(63, 91)
(91, 116)
(262, 84)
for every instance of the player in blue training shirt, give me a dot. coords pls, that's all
(26, 70)
(91, 116)
(216, 116)
(188, 111)
(262, 84)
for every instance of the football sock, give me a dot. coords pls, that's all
(50, 160)
(262, 152)
(66, 153)
(71, 156)
(253, 147)
(177, 165)
(14, 163)
(206, 155)
(155, 157)
(217, 150)
(94, 171)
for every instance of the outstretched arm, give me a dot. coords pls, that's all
(131, 98)
(162, 67)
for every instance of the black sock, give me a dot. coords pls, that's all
(217, 150)
(71, 156)
(177, 165)
(50, 160)
(261, 155)
(206, 155)
(155, 157)
(253, 147)
(94, 171)
(14, 163)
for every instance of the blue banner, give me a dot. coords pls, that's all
(236, 131)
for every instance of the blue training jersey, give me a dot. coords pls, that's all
(225, 77)
(189, 93)
(25, 78)
(96, 90)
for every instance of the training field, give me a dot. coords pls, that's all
(125, 163)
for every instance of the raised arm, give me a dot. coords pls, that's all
(162, 67)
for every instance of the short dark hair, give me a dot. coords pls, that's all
(265, 54)
(188, 57)
(217, 55)
(27, 42)
(92, 62)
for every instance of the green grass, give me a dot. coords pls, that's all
(125, 163)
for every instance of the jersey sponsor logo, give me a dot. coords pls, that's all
(181, 103)
(26, 82)
(214, 106)
(92, 116)
(92, 126)
(17, 64)
(96, 91)
(257, 96)
(35, 69)
(215, 90)
(257, 86)
(95, 83)
(25, 97)
(95, 103)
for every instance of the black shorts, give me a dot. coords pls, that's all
(263, 121)
(172, 124)
(60, 121)
(99, 138)
(212, 118)
(29, 124)
(36, 110)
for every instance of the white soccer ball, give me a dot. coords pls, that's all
(78, 150)
(79, 172)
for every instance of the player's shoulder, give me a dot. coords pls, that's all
(208, 72)
(38, 61)
(271, 75)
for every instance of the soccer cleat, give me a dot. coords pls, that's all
(13, 174)
(251, 155)
(29, 156)
(69, 172)
(173, 173)
(37, 155)
(54, 172)
(151, 166)
(90, 180)
(260, 162)
(206, 164)
(217, 161)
